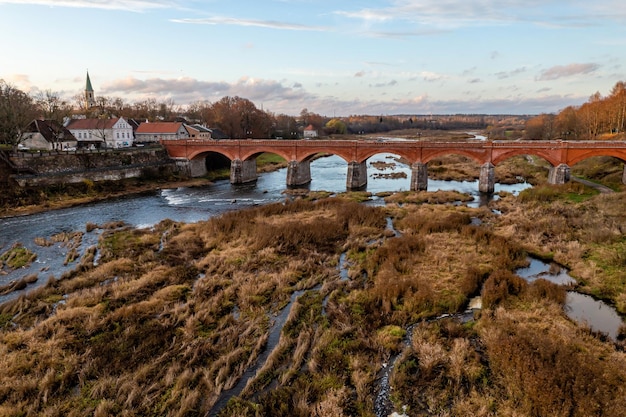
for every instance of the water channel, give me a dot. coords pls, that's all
(582, 308)
(190, 205)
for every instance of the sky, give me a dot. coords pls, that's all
(334, 58)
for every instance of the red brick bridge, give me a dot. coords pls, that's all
(299, 153)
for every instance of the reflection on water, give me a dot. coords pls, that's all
(581, 308)
(596, 314)
(551, 272)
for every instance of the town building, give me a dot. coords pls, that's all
(310, 132)
(48, 135)
(90, 99)
(107, 133)
(198, 131)
(153, 132)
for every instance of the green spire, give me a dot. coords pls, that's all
(88, 87)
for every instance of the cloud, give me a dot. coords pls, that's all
(431, 76)
(444, 13)
(21, 80)
(387, 84)
(185, 90)
(268, 24)
(464, 13)
(289, 97)
(561, 71)
(360, 74)
(507, 74)
(128, 5)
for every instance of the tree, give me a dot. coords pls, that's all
(543, 127)
(200, 112)
(225, 116)
(17, 110)
(567, 123)
(336, 126)
(598, 116)
(52, 107)
(617, 106)
(285, 126)
(239, 118)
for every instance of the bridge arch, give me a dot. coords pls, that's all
(479, 159)
(402, 153)
(201, 153)
(254, 154)
(581, 156)
(547, 155)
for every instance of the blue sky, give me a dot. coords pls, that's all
(330, 57)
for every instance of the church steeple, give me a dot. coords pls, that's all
(90, 101)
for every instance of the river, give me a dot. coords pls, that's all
(191, 205)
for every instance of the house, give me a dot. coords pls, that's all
(198, 131)
(156, 131)
(109, 133)
(310, 132)
(48, 134)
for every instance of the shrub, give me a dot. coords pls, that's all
(500, 285)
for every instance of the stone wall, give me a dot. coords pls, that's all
(49, 168)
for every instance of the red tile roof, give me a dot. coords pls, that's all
(91, 124)
(159, 127)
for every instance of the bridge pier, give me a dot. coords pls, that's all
(242, 172)
(298, 173)
(197, 168)
(487, 179)
(357, 175)
(624, 175)
(419, 176)
(559, 174)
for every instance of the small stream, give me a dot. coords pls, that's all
(582, 308)
(250, 373)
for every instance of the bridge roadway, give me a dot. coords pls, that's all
(299, 153)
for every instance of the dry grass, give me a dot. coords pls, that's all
(172, 317)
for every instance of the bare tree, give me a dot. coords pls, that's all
(52, 107)
(17, 110)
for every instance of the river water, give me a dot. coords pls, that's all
(191, 205)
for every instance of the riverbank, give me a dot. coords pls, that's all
(119, 189)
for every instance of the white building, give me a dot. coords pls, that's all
(109, 133)
(310, 132)
(48, 135)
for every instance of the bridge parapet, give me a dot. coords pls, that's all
(556, 152)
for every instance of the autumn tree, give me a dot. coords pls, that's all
(225, 116)
(285, 126)
(239, 118)
(567, 123)
(336, 126)
(200, 112)
(309, 118)
(616, 104)
(598, 117)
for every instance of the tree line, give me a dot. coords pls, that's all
(598, 118)
(239, 117)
